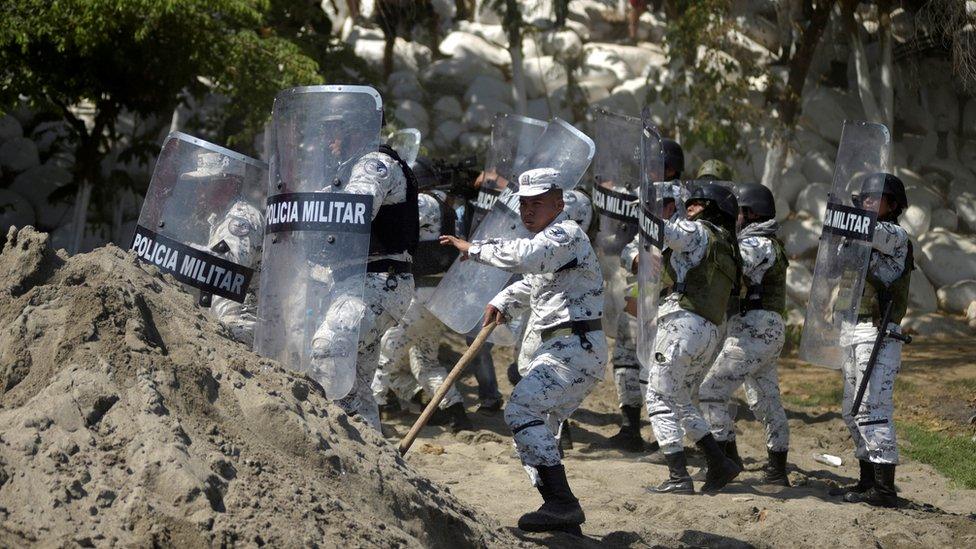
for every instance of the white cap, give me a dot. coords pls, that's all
(538, 181)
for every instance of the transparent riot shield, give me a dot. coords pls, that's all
(468, 286)
(317, 236)
(201, 221)
(845, 246)
(616, 183)
(512, 138)
(651, 239)
(406, 143)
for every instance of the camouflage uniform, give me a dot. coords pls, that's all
(683, 348)
(242, 230)
(749, 353)
(385, 296)
(561, 282)
(873, 429)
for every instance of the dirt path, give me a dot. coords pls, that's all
(480, 469)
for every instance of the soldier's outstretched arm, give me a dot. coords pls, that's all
(888, 237)
(513, 300)
(378, 175)
(684, 234)
(758, 256)
(543, 253)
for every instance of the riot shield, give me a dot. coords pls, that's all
(651, 239)
(616, 183)
(201, 221)
(468, 286)
(845, 246)
(406, 143)
(317, 235)
(512, 137)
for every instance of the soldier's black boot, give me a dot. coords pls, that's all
(459, 420)
(629, 437)
(882, 493)
(864, 482)
(775, 470)
(679, 481)
(719, 469)
(560, 509)
(732, 451)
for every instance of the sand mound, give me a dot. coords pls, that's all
(129, 417)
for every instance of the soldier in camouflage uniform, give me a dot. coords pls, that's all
(704, 267)
(889, 275)
(408, 355)
(239, 234)
(754, 338)
(631, 385)
(562, 286)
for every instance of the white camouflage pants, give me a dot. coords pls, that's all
(626, 368)
(408, 355)
(748, 357)
(683, 350)
(387, 299)
(873, 428)
(561, 375)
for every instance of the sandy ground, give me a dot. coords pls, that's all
(481, 470)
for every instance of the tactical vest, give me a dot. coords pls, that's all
(876, 294)
(707, 286)
(770, 293)
(431, 258)
(396, 227)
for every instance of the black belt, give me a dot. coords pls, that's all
(574, 327)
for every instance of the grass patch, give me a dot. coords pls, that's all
(950, 455)
(812, 395)
(967, 383)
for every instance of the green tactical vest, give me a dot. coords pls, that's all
(772, 288)
(898, 292)
(708, 285)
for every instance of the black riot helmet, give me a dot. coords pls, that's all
(674, 157)
(721, 206)
(758, 198)
(884, 184)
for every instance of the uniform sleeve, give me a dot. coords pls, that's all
(430, 217)
(758, 256)
(546, 252)
(682, 235)
(380, 176)
(629, 253)
(513, 300)
(889, 237)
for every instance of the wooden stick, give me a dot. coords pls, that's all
(442, 390)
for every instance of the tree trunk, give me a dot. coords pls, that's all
(790, 100)
(863, 71)
(518, 79)
(887, 91)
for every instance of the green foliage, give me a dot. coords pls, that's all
(711, 77)
(827, 392)
(950, 455)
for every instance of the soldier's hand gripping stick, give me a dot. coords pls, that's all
(883, 332)
(442, 390)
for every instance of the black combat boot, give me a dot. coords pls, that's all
(882, 493)
(629, 438)
(459, 420)
(679, 481)
(865, 482)
(732, 451)
(775, 470)
(719, 469)
(560, 509)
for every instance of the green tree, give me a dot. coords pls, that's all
(142, 57)
(711, 76)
